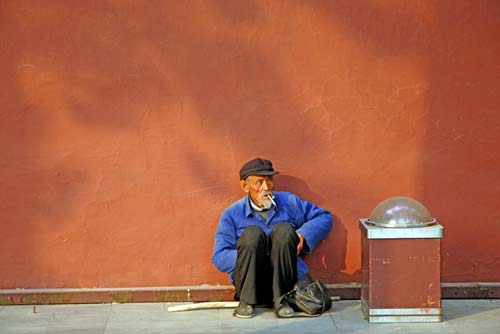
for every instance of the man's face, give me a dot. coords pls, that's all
(258, 187)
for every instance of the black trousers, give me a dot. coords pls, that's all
(266, 265)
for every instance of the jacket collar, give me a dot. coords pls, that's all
(248, 207)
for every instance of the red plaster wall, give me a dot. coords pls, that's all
(123, 125)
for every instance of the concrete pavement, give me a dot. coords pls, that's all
(460, 316)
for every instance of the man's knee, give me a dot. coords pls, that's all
(252, 236)
(283, 233)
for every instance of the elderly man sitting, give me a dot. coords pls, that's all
(260, 238)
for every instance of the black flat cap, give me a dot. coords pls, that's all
(257, 166)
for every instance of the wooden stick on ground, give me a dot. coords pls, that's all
(209, 305)
(202, 306)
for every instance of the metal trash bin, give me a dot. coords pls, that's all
(401, 263)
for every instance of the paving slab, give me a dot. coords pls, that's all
(473, 316)
(54, 318)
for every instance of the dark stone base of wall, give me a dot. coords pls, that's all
(488, 290)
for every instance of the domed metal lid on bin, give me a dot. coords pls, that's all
(400, 212)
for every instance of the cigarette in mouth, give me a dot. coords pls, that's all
(271, 198)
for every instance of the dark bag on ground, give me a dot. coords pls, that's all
(308, 296)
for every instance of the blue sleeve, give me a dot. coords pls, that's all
(224, 255)
(314, 223)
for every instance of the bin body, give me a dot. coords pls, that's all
(401, 273)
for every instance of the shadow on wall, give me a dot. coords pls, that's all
(328, 262)
(297, 186)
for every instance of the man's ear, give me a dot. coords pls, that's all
(244, 186)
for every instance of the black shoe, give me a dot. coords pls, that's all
(244, 310)
(284, 310)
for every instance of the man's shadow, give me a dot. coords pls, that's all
(327, 261)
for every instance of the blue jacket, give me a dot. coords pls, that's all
(311, 222)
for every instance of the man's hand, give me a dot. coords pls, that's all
(301, 243)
